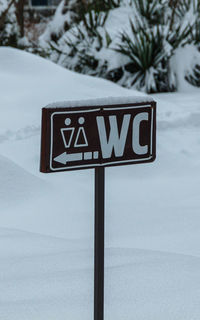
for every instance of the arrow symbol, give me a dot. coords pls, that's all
(65, 157)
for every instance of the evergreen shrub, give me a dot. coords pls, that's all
(138, 52)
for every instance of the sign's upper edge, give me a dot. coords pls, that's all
(100, 102)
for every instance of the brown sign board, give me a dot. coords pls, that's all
(92, 136)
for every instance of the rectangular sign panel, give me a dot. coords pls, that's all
(88, 137)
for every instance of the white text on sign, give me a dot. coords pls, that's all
(117, 140)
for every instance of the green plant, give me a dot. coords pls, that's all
(9, 27)
(148, 59)
(184, 6)
(179, 35)
(142, 55)
(102, 5)
(81, 48)
(195, 34)
(194, 76)
(94, 19)
(152, 10)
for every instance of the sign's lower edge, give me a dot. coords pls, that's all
(108, 164)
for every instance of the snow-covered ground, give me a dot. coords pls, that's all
(46, 221)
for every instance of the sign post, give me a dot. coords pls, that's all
(99, 243)
(96, 134)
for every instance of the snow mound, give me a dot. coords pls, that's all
(44, 277)
(35, 82)
(17, 185)
(153, 207)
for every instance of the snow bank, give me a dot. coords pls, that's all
(34, 82)
(43, 277)
(152, 211)
(17, 184)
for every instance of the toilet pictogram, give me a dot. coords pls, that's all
(75, 137)
(69, 132)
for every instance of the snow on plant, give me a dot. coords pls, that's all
(70, 12)
(150, 46)
(61, 22)
(78, 49)
(187, 65)
(9, 28)
(153, 11)
(142, 50)
(148, 53)
(190, 14)
(3, 6)
(102, 5)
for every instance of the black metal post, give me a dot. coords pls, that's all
(99, 244)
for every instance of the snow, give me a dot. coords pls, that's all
(111, 55)
(183, 63)
(40, 83)
(54, 282)
(101, 101)
(3, 6)
(46, 221)
(56, 25)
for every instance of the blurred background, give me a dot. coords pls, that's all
(148, 45)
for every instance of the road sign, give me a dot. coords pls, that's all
(94, 136)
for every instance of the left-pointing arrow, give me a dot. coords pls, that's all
(64, 157)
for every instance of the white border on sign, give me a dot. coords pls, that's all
(106, 163)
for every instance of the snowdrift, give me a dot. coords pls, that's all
(29, 83)
(46, 247)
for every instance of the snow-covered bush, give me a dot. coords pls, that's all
(63, 18)
(9, 28)
(150, 46)
(148, 56)
(132, 42)
(102, 5)
(81, 45)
